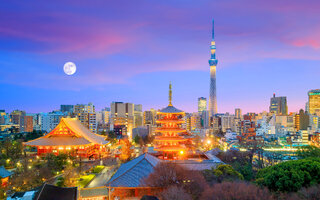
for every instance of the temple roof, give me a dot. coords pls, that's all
(170, 109)
(132, 173)
(51, 192)
(58, 141)
(68, 132)
(4, 173)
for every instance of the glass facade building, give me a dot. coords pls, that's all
(314, 102)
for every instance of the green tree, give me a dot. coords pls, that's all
(13, 149)
(240, 161)
(308, 151)
(290, 176)
(57, 163)
(136, 139)
(222, 173)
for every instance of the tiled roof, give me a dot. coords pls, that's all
(82, 135)
(4, 173)
(51, 192)
(196, 165)
(93, 192)
(170, 109)
(130, 174)
(58, 141)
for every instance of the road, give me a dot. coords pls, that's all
(102, 178)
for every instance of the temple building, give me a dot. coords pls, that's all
(168, 142)
(70, 136)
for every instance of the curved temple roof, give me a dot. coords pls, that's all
(80, 135)
(170, 109)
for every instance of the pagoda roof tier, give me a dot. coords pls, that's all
(169, 148)
(171, 110)
(175, 139)
(69, 132)
(178, 130)
(170, 121)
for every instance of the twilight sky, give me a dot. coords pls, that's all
(129, 50)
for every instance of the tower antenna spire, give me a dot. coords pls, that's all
(212, 29)
(170, 94)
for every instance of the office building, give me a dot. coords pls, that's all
(227, 122)
(238, 113)
(67, 108)
(17, 117)
(50, 120)
(202, 104)
(314, 102)
(302, 120)
(138, 115)
(122, 118)
(28, 123)
(150, 117)
(86, 115)
(278, 105)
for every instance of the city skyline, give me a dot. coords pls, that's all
(134, 60)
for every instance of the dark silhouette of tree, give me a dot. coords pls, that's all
(175, 193)
(166, 175)
(236, 190)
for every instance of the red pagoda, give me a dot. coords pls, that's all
(168, 142)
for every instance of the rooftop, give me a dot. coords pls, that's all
(132, 173)
(68, 132)
(170, 109)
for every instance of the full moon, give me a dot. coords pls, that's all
(69, 68)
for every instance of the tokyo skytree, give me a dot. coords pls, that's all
(213, 68)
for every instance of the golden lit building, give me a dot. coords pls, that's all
(122, 118)
(70, 136)
(168, 142)
(314, 102)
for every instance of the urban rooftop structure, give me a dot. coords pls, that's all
(70, 136)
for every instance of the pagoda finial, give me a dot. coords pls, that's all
(170, 94)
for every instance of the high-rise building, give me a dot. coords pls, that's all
(106, 115)
(66, 108)
(17, 117)
(50, 120)
(36, 121)
(213, 68)
(314, 102)
(278, 105)
(227, 122)
(302, 120)
(28, 123)
(202, 104)
(138, 115)
(195, 121)
(205, 119)
(238, 113)
(86, 115)
(4, 117)
(122, 118)
(150, 117)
